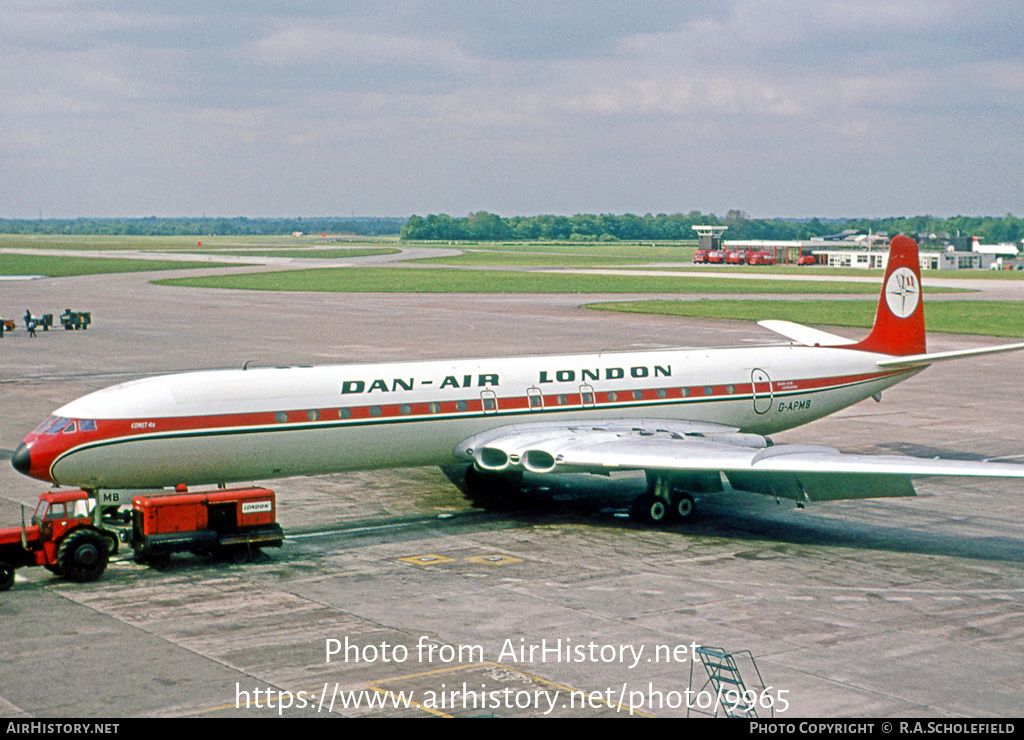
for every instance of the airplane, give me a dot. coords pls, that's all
(696, 421)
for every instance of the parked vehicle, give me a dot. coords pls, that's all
(71, 536)
(74, 319)
(760, 258)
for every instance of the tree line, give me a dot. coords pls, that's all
(238, 226)
(484, 226)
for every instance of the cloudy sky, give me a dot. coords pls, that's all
(307, 107)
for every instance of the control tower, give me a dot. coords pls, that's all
(709, 237)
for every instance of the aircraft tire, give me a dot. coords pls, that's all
(487, 490)
(651, 509)
(82, 556)
(684, 508)
(6, 576)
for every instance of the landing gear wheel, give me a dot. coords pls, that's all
(490, 490)
(6, 576)
(684, 507)
(650, 509)
(83, 556)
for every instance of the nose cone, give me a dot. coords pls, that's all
(22, 459)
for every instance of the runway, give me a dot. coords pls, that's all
(887, 608)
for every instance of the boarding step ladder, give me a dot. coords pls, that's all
(725, 693)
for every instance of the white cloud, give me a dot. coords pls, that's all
(526, 107)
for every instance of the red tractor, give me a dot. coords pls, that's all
(62, 538)
(72, 537)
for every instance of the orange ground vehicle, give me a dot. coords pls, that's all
(72, 537)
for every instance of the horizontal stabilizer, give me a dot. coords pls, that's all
(804, 334)
(929, 357)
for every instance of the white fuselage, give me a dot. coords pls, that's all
(234, 425)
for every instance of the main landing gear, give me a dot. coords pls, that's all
(490, 490)
(663, 503)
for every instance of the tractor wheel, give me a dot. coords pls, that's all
(82, 556)
(6, 576)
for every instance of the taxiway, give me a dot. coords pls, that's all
(887, 608)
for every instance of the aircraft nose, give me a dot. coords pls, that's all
(22, 459)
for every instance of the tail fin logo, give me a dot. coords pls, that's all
(902, 292)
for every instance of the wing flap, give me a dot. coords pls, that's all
(821, 486)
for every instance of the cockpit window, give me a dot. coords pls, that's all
(53, 425)
(58, 425)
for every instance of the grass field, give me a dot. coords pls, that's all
(413, 280)
(648, 257)
(992, 318)
(485, 268)
(53, 266)
(310, 254)
(181, 243)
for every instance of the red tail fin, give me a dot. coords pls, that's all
(899, 320)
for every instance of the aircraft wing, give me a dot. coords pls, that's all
(699, 450)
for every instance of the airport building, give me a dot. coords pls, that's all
(868, 252)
